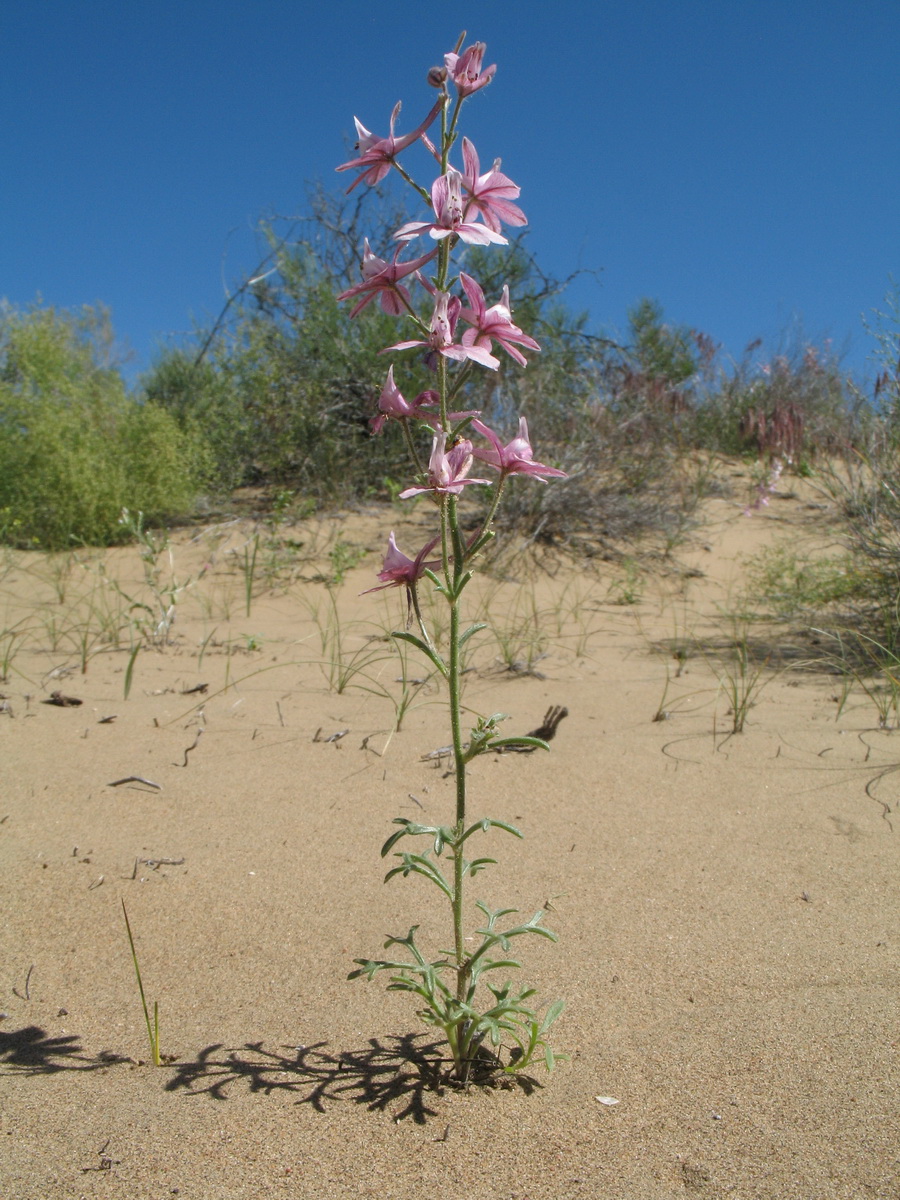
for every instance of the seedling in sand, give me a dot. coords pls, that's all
(152, 1027)
(11, 642)
(248, 566)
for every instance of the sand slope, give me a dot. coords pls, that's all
(726, 905)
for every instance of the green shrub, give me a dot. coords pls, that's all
(286, 389)
(75, 449)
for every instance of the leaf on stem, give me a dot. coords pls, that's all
(484, 825)
(551, 1014)
(479, 545)
(457, 590)
(471, 631)
(437, 582)
(532, 743)
(478, 864)
(420, 865)
(430, 654)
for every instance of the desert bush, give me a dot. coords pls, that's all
(284, 389)
(884, 328)
(865, 484)
(795, 405)
(618, 418)
(75, 449)
(657, 380)
(285, 384)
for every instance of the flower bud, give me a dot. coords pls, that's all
(437, 76)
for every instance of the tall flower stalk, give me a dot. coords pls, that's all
(489, 1026)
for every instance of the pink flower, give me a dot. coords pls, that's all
(399, 571)
(382, 278)
(494, 323)
(446, 471)
(515, 459)
(391, 404)
(764, 490)
(443, 325)
(449, 210)
(466, 71)
(376, 155)
(490, 193)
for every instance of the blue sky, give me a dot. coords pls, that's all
(735, 159)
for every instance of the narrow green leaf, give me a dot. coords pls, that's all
(535, 743)
(534, 926)
(129, 670)
(460, 585)
(392, 841)
(419, 644)
(540, 931)
(152, 1030)
(551, 1014)
(416, 863)
(508, 829)
(484, 825)
(471, 631)
(437, 582)
(496, 964)
(487, 536)
(410, 828)
(479, 864)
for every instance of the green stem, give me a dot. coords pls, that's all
(445, 544)
(495, 504)
(423, 628)
(460, 380)
(420, 324)
(412, 183)
(411, 446)
(449, 134)
(442, 391)
(451, 534)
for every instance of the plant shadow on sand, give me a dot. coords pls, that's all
(404, 1070)
(32, 1051)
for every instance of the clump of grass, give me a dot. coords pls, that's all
(741, 680)
(789, 582)
(520, 637)
(341, 662)
(874, 668)
(740, 667)
(343, 557)
(12, 640)
(628, 588)
(153, 620)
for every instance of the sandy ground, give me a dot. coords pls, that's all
(726, 905)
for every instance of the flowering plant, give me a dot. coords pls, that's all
(489, 1026)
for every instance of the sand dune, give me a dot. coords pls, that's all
(726, 904)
